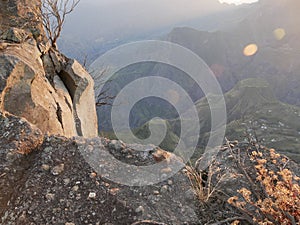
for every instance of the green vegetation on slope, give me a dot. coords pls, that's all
(252, 109)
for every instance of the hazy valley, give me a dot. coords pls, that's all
(269, 106)
(199, 122)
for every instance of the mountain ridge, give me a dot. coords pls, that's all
(277, 48)
(252, 109)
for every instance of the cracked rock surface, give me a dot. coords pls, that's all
(49, 90)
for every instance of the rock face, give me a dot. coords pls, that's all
(37, 82)
(70, 191)
(23, 14)
(18, 136)
(81, 88)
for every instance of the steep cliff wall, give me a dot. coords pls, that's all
(37, 82)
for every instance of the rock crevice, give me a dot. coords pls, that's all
(37, 82)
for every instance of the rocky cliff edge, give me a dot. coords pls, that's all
(37, 82)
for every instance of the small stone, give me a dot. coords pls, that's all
(69, 223)
(45, 167)
(92, 195)
(170, 182)
(58, 169)
(75, 188)
(67, 181)
(156, 192)
(106, 184)
(78, 197)
(115, 144)
(114, 191)
(164, 189)
(140, 209)
(50, 196)
(93, 175)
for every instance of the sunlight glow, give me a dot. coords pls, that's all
(237, 2)
(279, 33)
(250, 50)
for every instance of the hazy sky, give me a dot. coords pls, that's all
(238, 1)
(106, 19)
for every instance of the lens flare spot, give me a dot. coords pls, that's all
(279, 33)
(250, 50)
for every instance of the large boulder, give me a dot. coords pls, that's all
(25, 91)
(37, 82)
(18, 138)
(50, 91)
(81, 88)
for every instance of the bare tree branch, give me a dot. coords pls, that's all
(54, 14)
(103, 98)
